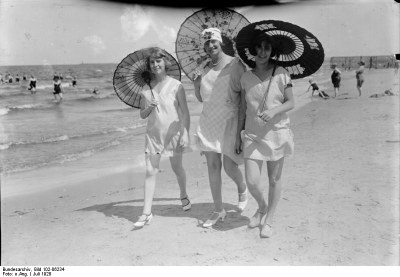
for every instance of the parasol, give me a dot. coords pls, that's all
(188, 47)
(132, 74)
(298, 51)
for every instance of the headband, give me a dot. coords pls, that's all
(211, 33)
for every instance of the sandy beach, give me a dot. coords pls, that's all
(339, 205)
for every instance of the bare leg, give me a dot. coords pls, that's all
(152, 165)
(214, 165)
(275, 188)
(232, 170)
(177, 168)
(253, 174)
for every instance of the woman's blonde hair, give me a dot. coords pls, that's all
(158, 53)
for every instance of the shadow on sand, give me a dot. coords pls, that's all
(199, 211)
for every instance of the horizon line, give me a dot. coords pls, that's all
(83, 63)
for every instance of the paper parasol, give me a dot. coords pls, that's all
(300, 52)
(132, 74)
(188, 47)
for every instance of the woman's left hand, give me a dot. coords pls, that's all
(266, 115)
(238, 146)
(184, 139)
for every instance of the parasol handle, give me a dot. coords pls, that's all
(147, 78)
(152, 94)
(269, 84)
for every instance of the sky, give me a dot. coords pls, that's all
(42, 32)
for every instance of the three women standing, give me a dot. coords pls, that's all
(218, 88)
(242, 112)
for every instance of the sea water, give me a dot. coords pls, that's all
(36, 131)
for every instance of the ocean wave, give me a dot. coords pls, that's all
(63, 158)
(14, 94)
(4, 146)
(95, 97)
(4, 111)
(128, 109)
(64, 137)
(76, 156)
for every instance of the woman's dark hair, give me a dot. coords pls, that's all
(257, 41)
(158, 53)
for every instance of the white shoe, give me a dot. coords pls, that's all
(214, 219)
(255, 221)
(242, 204)
(266, 231)
(144, 219)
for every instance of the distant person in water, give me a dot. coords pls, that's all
(24, 77)
(315, 88)
(32, 84)
(336, 78)
(1, 79)
(57, 89)
(360, 77)
(17, 78)
(74, 82)
(96, 91)
(10, 79)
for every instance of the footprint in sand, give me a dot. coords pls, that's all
(19, 213)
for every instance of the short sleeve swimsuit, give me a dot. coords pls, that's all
(267, 141)
(164, 126)
(220, 92)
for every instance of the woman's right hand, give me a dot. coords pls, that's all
(197, 78)
(238, 145)
(153, 103)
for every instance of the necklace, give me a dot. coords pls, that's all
(215, 64)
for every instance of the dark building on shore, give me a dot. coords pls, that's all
(371, 62)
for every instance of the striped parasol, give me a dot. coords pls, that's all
(298, 51)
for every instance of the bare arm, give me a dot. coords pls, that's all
(196, 84)
(145, 111)
(181, 95)
(288, 104)
(241, 122)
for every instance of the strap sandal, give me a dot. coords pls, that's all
(186, 205)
